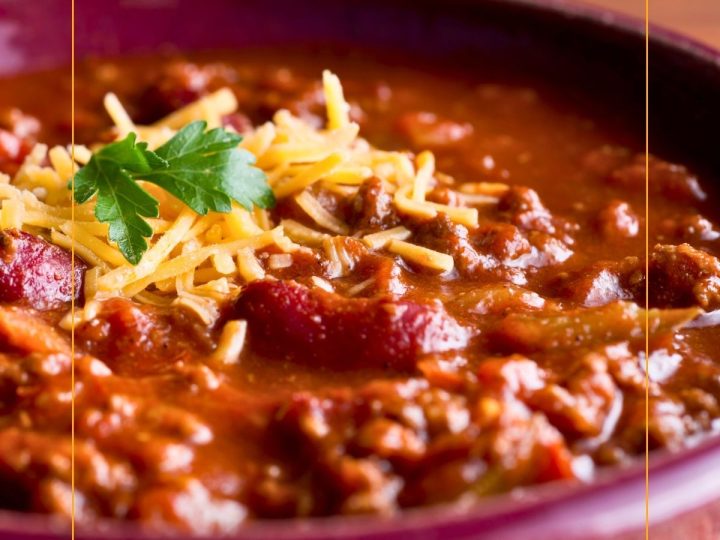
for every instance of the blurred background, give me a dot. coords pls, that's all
(697, 18)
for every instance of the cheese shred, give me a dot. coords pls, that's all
(196, 262)
(422, 255)
(232, 342)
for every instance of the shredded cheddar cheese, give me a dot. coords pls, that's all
(380, 239)
(422, 255)
(232, 341)
(198, 261)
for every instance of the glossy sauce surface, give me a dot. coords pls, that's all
(524, 365)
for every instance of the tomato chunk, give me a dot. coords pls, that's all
(36, 273)
(317, 327)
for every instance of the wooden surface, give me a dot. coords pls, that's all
(697, 18)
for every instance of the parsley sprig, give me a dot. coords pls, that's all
(204, 169)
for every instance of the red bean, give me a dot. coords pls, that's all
(36, 273)
(317, 327)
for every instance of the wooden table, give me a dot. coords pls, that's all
(697, 18)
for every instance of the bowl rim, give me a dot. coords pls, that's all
(516, 504)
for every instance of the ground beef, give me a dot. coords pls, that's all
(604, 282)
(684, 276)
(372, 209)
(428, 130)
(689, 228)
(177, 84)
(667, 179)
(618, 220)
(523, 207)
(441, 234)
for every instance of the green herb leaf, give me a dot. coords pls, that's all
(205, 170)
(121, 202)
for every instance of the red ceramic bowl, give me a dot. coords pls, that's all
(596, 57)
